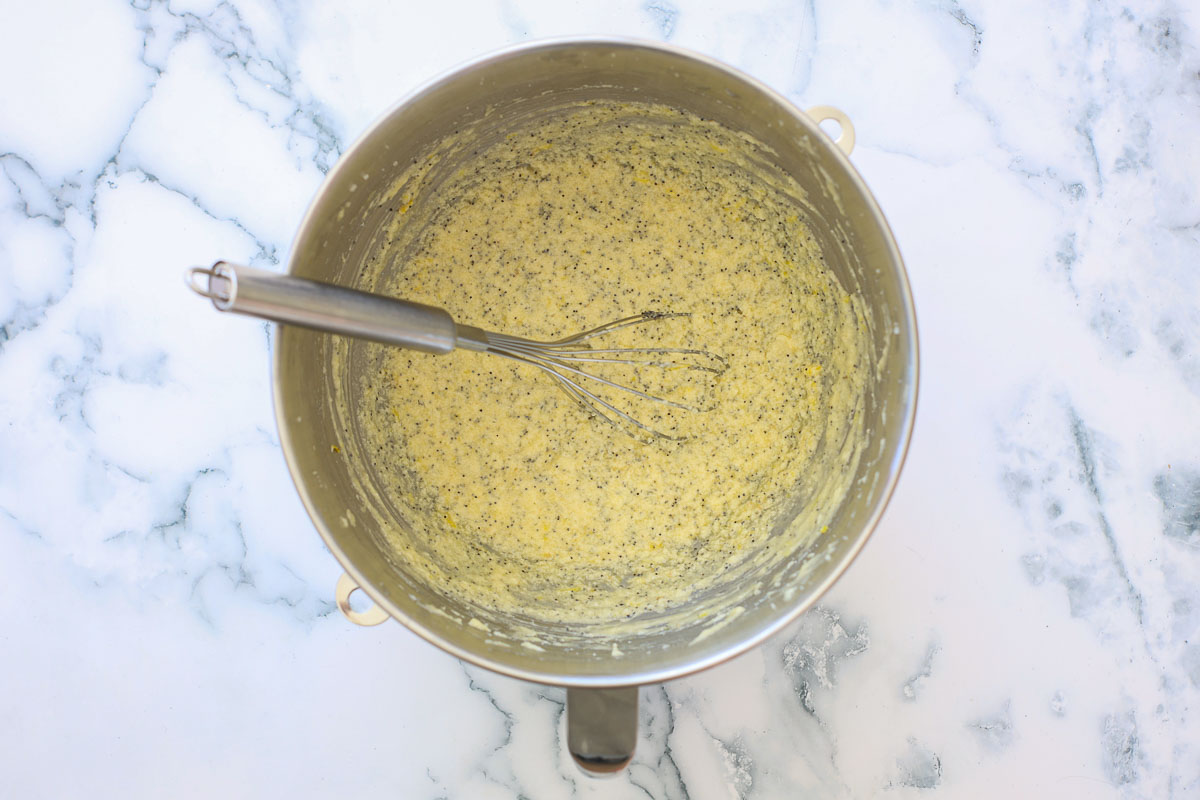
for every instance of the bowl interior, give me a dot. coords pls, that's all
(495, 95)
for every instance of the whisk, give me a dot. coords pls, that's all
(337, 309)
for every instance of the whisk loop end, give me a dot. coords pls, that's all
(563, 359)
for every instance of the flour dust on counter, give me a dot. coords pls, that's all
(525, 502)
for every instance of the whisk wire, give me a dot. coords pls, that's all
(547, 361)
(553, 357)
(609, 327)
(590, 400)
(595, 356)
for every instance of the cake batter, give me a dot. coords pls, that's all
(523, 502)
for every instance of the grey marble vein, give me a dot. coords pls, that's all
(664, 14)
(654, 770)
(1179, 492)
(1084, 450)
(994, 732)
(1122, 753)
(912, 688)
(251, 67)
(918, 767)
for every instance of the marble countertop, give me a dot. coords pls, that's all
(1025, 622)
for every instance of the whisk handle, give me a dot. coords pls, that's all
(324, 307)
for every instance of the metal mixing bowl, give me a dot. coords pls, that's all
(345, 221)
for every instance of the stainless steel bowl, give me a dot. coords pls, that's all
(345, 220)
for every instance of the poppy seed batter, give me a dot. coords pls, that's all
(521, 501)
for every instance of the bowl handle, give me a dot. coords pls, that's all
(602, 728)
(346, 587)
(845, 139)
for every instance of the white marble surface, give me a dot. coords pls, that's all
(1024, 623)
